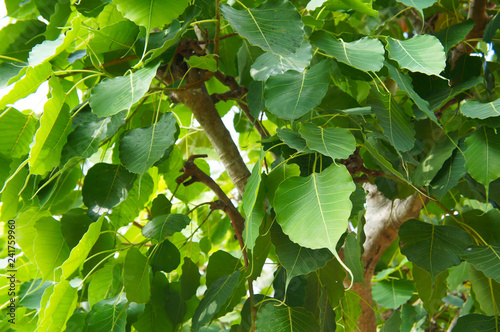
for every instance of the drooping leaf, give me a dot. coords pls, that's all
(105, 187)
(284, 318)
(136, 276)
(274, 26)
(433, 248)
(58, 19)
(215, 296)
(295, 259)
(221, 264)
(120, 93)
(482, 157)
(491, 29)
(430, 291)
(164, 257)
(418, 4)
(448, 176)
(313, 210)
(270, 64)
(485, 259)
(422, 53)
(366, 54)
(61, 304)
(293, 94)
(16, 133)
(452, 35)
(141, 148)
(393, 119)
(190, 279)
(383, 162)
(334, 142)
(477, 110)
(151, 14)
(486, 291)
(392, 293)
(352, 254)
(165, 225)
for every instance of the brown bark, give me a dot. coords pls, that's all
(383, 219)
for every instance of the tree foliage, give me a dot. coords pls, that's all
(127, 204)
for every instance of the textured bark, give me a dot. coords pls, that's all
(383, 219)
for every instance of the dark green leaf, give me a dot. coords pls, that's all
(334, 142)
(452, 35)
(164, 257)
(273, 317)
(485, 259)
(166, 225)
(136, 276)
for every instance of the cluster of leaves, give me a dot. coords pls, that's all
(110, 242)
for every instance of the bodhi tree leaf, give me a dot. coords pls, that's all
(141, 148)
(270, 64)
(165, 225)
(120, 93)
(61, 304)
(164, 257)
(16, 133)
(18, 38)
(108, 315)
(477, 322)
(278, 175)
(482, 157)
(449, 175)
(105, 187)
(283, 318)
(452, 35)
(293, 139)
(485, 259)
(422, 53)
(333, 142)
(486, 291)
(150, 13)
(119, 36)
(207, 62)
(433, 248)
(136, 276)
(476, 110)
(418, 4)
(392, 293)
(293, 94)
(313, 210)
(366, 54)
(274, 26)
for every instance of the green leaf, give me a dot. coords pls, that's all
(392, 293)
(477, 110)
(313, 210)
(449, 175)
(486, 291)
(49, 49)
(454, 34)
(119, 36)
(430, 165)
(207, 62)
(274, 26)
(137, 197)
(105, 187)
(283, 318)
(383, 162)
(55, 126)
(28, 84)
(49, 247)
(215, 297)
(491, 29)
(295, 259)
(108, 315)
(253, 204)
(404, 82)
(334, 142)
(151, 14)
(164, 257)
(293, 94)
(366, 54)
(190, 279)
(120, 93)
(438, 98)
(485, 259)
(393, 119)
(16, 133)
(100, 285)
(25, 229)
(293, 139)
(477, 322)
(136, 276)
(352, 254)
(433, 248)
(80, 252)
(430, 291)
(19, 38)
(58, 19)
(141, 148)
(482, 157)
(364, 7)
(221, 264)
(418, 4)
(60, 307)
(278, 175)
(166, 225)
(31, 292)
(271, 64)
(422, 53)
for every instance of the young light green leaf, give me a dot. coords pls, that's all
(293, 94)
(392, 293)
(141, 148)
(485, 259)
(482, 157)
(120, 93)
(278, 175)
(477, 110)
(366, 54)
(274, 26)
(61, 304)
(333, 142)
(423, 53)
(165, 225)
(119, 36)
(16, 133)
(207, 62)
(100, 285)
(270, 64)
(150, 13)
(313, 210)
(136, 276)
(433, 248)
